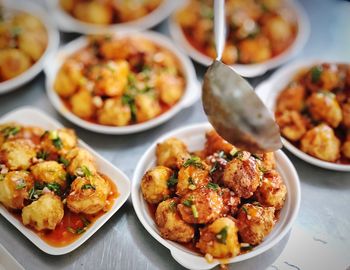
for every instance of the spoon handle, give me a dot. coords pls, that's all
(219, 27)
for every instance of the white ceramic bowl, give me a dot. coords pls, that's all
(251, 70)
(53, 41)
(194, 137)
(269, 90)
(68, 23)
(191, 94)
(32, 116)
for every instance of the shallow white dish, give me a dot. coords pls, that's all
(68, 23)
(52, 45)
(32, 116)
(269, 90)
(251, 70)
(191, 94)
(194, 137)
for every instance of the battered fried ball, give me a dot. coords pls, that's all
(242, 175)
(268, 161)
(59, 141)
(292, 98)
(94, 12)
(33, 44)
(272, 191)
(170, 224)
(220, 239)
(323, 106)
(17, 154)
(147, 107)
(154, 184)
(292, 124)
(49, 172)
(255, 222)
(80, 162)
(45, 213)
(13, 62)
(170, 88)
(323, 76)
(14, 187)
(231, 202)
(322, 143)
(82, 104)
(254, 50)
(192, 176)
(200, 206)
(88, 194)
(214, 143)
(114, 113)
(172, 153)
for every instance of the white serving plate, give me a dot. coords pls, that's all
(269, 90)
(32, 116)
(52, 45)
(68, 23)
(194, 137)
(191, 94)
(252, 70)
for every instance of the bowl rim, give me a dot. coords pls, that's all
(39, 118)
(180, 255)
(191, 93)
(68, 23)
(250, 70)
(274, 85)
(34, 9)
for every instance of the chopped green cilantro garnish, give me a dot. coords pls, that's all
(222, 235)
(187, 203)
(244, 209)
(88, 186)
(54, 187)
(194, 161)
(43, 154)
(21, 184)
(172, 181)
(10, 131)
(172, 206)
(213, 186)
(316, 72)
(194, 211)
(64, 161)
(86, 171)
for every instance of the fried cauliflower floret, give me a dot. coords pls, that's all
(268, 161)
(272, 191)
(172, 153)
(14, 187)
(49, 172)
(88, 194)
(147, 107)
(45, 213)
(17, 154)
(292, 98)
(94, 12)
(27, 22)
(80, 162)
(59, 141)
(82, 104)
(346, 149)
(33, 44)
(111, 78)
(170, 224)
(13, 62)
(170, 87)
(215, 143)
(231, 202)
(154, 184)
(323, 76)
(9, 131)
(323, 106)
(114, 113)
(200, 206)
(292, 124)
(220, 239)
(254, 50)
(193, 174)
(242, 175)
(322, 143)
(255, 223)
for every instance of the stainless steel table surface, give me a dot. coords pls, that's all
(123, 243)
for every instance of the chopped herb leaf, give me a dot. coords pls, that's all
(245, 210)
(80, 230)
(172, 181)
(172, 206)
(130, 101)
(187, 203)
(21, 184)
(194, 211)
(43, 155)
(213, 186)
(194, 161)
(222, 235)
(64, 161)
(86, 171)
(88, 186)
(44, 134)
(214, 168)
(57, 143)
(262, 169)
(316, 74)
(54, 187)
(71, 230)
(10, 131)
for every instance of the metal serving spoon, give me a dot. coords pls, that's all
(232, 106)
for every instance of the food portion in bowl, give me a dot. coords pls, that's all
(23, 40)
(219, 201)
(50, 184)
(256, 30)
(109, 12)
(119, 81)
(313, 112)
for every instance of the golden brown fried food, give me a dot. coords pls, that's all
(170, 87)
(254, 50)
(292, 98)
(80, 162)
(272, 191)
(214, 143)
(82, 104)
(45, 213)
(172, 153)
(242, 175)
(255, 222)
(17, 154)
(14, 187)
(346, 114)
(33, 44)
(154, 184)
(346, 149)
(322, 143)
(147, 107)
(231, 202)
(59, 141)
(93, 12)
(170, 224)
(88, 194)
(114, 113)
(268, 161)
(13, 62)
(200, 206)
(219, 239)
(49, 172)
(292, 124)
